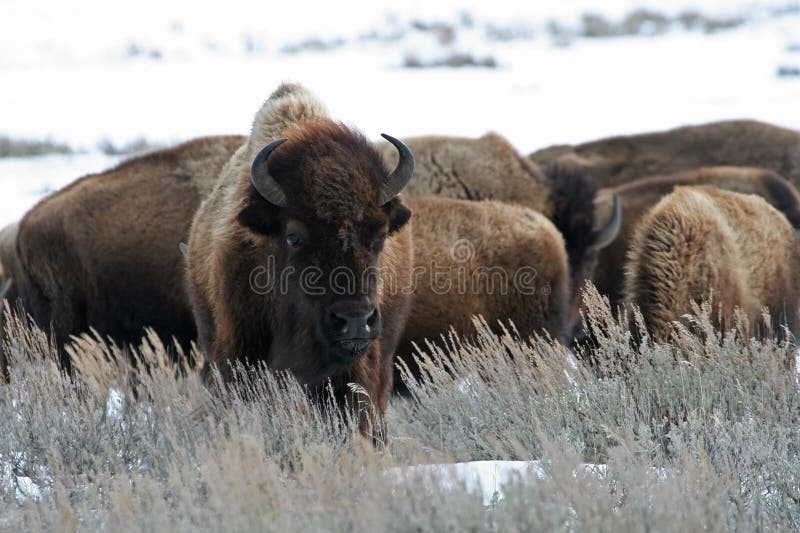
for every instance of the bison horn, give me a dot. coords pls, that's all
(184, 248)
(401, 175)
(605, 236)
(262, 181)
(4, 288)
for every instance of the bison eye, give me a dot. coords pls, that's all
(293, 240)
(379, 239)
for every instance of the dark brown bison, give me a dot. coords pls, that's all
(103, 253)
(701, 242)
(301, 257)
(640, 195)
(489, 168)
(617, 160)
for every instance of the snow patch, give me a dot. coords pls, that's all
(486, 477)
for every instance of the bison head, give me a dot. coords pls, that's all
(573, 195)
(329, 209)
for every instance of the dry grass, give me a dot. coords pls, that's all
(701, 433)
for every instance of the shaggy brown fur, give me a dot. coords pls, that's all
(640, 195)
(331, 176)
(617, 160)
(103, 253)
(500, 261)
(486, 168)
(701, 241)
(489, 168)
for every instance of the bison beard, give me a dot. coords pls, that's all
(320, 198)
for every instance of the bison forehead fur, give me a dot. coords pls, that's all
(330, 172)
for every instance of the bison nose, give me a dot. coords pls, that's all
(353, 321)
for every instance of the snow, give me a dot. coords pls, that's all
(46, 32)
(115, 406)
(486, 477)
(27, 489)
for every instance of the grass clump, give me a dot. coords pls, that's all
(698, 433)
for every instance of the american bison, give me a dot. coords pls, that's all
(640, 195)
(701, 242)
(489, 168)
(617, 160)
(301, 257)
(102, 252)
(502, 262)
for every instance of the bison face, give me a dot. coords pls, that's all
(329, 209)
(332, 276)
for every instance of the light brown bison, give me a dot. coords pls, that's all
(701, 242)
(301, 257)
(102, 252)
(498, 261)
(620, 159)
(640, 195)
(489, 168)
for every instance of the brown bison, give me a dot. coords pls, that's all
(301, 257)
(640, 195)
(102, 252)
(489, 168)
(748, 143)
(499, 261)
(701, 242)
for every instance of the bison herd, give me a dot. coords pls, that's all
(308, 248)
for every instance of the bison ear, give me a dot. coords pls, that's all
(259, 215)
(399, 215)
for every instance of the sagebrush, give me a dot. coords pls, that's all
(698, 433)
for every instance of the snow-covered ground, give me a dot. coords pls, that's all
(166, 71)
